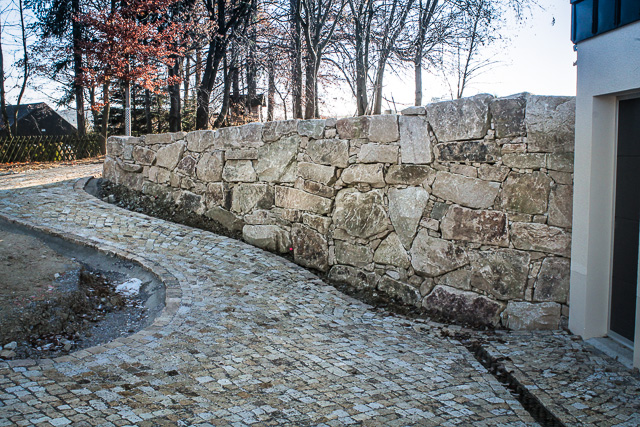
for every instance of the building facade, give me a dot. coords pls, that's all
(604, 296)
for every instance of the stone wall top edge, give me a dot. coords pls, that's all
(299, 125)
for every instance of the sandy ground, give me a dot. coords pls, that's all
(28, 269)
(33, 166)
(56, 297)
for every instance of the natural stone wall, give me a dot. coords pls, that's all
(462, 207)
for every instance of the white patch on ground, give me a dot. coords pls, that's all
(129, 288)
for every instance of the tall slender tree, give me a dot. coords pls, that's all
(3, 93)
(56, 24)
(226, 16)
(131, 43)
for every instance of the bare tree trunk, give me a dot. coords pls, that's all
(271, 91)
(361, 69)
(3, 94)
(296, 71)
(235, 81)
(224, 109)
(310, 89)
(252, 67)
(186, 77)
(25, 74)
(418, 74)
(175, 119)
(315, 100)
(215, 54)
(377, 87)
(127, 108)
(147, 111)
(105, 117)
(198, 69)
(134, 128)
(159, 114)
(77, 70)
(92, 101)
(427, 11)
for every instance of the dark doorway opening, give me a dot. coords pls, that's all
(627, 221)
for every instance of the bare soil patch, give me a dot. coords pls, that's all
(56, 297)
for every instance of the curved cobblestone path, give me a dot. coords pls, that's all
(247, 338)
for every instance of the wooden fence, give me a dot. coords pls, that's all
(48, 148)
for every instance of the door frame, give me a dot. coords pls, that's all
(612, 334)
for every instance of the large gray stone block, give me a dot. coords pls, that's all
(292, 198)
(201, 140)
(268, 237)
(521, 315)
(550, 122)
(404, 292)
(168, 156)
(248, 197)
(352, 254)
(210, 165)
(277, 160)
(406, 207)
(318, 173)
(479, 226)
(310, 248)
(162, 138)
(378, 153)
(353, 276)
(312, 128)
(364, 173)
(561, 206)
(383, 128)
(391, 252)
(239, 171)
(464, 190)
(508, 115)
(552, 283)
(225, 218)
(360, 214)
(143, 156)
(410, 174)
(187, 165)
(331, 152)
(541, 237)
(272, 131)
(115, 146)
(502, 273)
(353, 127)
(461, 119)
(524, 160)
(190, 201)
(415, 142)
(463, 306)
(526, 193)
(433, 257)
(468, 151)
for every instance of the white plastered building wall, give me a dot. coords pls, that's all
(608, 69)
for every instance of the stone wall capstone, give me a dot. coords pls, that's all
(462, 207)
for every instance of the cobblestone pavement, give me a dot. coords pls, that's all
(578, 384)
(248, 338)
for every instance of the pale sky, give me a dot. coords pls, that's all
(536, 57)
